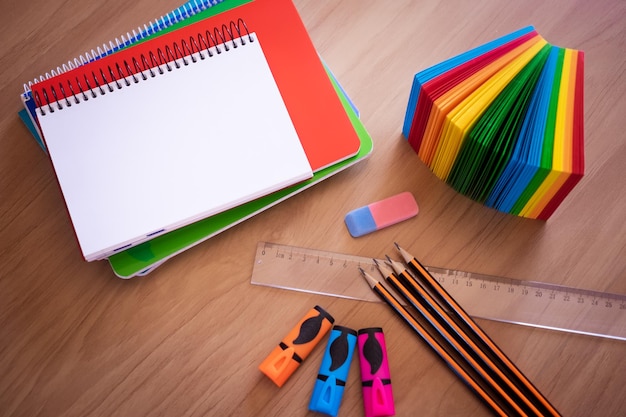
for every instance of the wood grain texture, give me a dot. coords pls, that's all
(187, 339)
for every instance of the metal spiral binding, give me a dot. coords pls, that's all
(178, 15)
(152, 62)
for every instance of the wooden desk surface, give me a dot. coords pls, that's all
(187, 339)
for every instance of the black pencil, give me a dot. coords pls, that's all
(443, 353)
(462, 319)
(403, 282)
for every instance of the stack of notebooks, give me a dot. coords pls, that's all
(191, 127)
(503, 123)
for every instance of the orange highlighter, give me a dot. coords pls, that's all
(297, 345)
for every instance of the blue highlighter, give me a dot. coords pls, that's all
(333, 373)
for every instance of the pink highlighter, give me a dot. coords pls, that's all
(381, 214)
(375, 377)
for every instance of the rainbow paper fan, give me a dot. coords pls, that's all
(503, 123)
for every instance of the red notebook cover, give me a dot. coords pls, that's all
(323, 126)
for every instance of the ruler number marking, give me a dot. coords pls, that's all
(539, 295)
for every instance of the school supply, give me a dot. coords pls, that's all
(190, 8)
(528, 303)
(450, 357)
(315, 139)
(381, 214)
(444, 313)
(503, 123)
(333, 371)
(296, 346)
(375, 375)
(503, 380)
(145, 172)
(146, 257)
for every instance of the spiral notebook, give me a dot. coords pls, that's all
(139, 162)
(185, 11)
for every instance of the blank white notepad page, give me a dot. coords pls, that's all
(173, 149)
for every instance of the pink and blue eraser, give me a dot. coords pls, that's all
(381, 214)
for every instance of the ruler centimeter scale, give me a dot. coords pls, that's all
(508, 300)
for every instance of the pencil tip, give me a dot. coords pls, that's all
(397, 246)
(405, 255)
(383, 267)
(395, 265)
(370, 280)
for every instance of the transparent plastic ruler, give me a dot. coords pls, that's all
(502, 299)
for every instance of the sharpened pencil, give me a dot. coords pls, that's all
(443, 353)
(478, 336)
(403, 282)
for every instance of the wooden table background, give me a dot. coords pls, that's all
(187, 339)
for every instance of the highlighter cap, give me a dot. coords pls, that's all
(331, 379)
(285, 358)
(375, 376)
